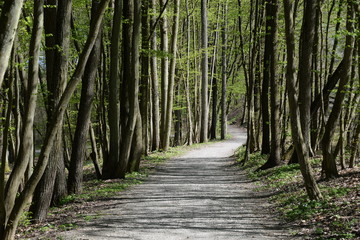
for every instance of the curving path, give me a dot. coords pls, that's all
(197, 196)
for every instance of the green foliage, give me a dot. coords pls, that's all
(46, 227)
(328, 215)
(25, 219)
(67, 226)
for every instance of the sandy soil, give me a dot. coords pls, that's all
(200, 195)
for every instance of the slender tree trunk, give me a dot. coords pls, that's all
(10, 14)
(224, 75)
(204, 74)
(144, 83)
(329, 161)
(307, 40)
(187, 82)
(6, 206)
(155, 88)
(164, 72)
(26, 145)
(171, 81)
(214, 106)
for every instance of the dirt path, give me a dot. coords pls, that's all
(197, 196)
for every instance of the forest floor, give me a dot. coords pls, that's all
(199, 195)
(335, 217)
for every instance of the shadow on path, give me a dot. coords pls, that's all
(199, 195)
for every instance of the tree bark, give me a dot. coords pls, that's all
(224, 75)
(9, 19)
(78, 154)
(113, 113)
(171, 81)
(164, 72)
(204, 74)
(23, 199)
(311, 186)
(144, 83)
(329, 161)
(271, 45)
(155, 84)
(133, 92)
(26, 145)
(307, 40)
(187, 81)
(52, 187)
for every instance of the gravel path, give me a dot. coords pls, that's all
(199, 195)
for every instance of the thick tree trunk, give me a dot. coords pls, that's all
(52, 187)
(271, 46)
(133, 90)
(137, 147)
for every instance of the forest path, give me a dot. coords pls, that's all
(199, 195)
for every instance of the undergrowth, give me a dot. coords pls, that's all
(337, 216)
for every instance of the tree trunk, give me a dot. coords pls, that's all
(26, 145)
(52, 187)
(307, 40)
(224, 76)
(187, 81)
(164, 72)
(144, 83)
(329, 161)
(78, 155)
(10, 14)
(154, 83)
(113, 113)
(204, 74)
(271, 46)
(137, 147)
(15, 177)
(23, 199)
(311, 186)
(133, 91)
(214, 106)
(171, 81)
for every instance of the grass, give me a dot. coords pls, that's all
(335, 217)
